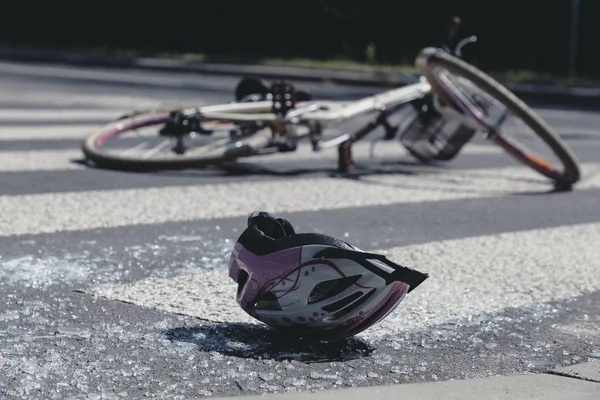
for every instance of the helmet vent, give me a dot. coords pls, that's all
(331, 288)
(241, 280)
(354, 305)
(268, 301)
(377, 314)
(338, 305)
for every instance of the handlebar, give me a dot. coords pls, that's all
(451, 31)
(463, 43)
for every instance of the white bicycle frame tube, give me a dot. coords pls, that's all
(329, 112)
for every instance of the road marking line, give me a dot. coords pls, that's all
(468, 277)
(569, 115)
(50, 100)
(592, 134)
(58, 115)
(126, 77)
(68, 211)
(34, 133)
(53, 212)
(40, 160)
(486, 274)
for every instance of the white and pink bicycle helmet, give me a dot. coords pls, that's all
(311, 284)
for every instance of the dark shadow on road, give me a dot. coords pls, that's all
(397, 167)
(250, 169)
(580, 136)
(551, 190)
(362, 172)
(246, 340)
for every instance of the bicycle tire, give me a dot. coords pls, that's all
(431, 57)
(245, 147)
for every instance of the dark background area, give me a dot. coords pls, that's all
(513, 34)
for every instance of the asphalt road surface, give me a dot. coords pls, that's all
(114, 284)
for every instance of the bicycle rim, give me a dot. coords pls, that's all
(115, 146)
(483, 99)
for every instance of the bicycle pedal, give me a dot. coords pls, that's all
(287, 147)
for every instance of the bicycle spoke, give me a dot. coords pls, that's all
(164, 144)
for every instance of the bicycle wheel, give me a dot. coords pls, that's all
(483, 99)
(115, 146)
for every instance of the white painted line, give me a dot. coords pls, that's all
(551, 114)
(31, 101)
(45, 132)
(487, 274)
(58, 115)
(39, 160)
(591, 132)
(53, 212)
(128, 77)
(468, 278)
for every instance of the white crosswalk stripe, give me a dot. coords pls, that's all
(40, 160)
(40, 132)
(55, 212)
(27, 116)
(517, 269)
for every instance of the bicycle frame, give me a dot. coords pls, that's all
(316, 115)
(327, 112)
(267, 118)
